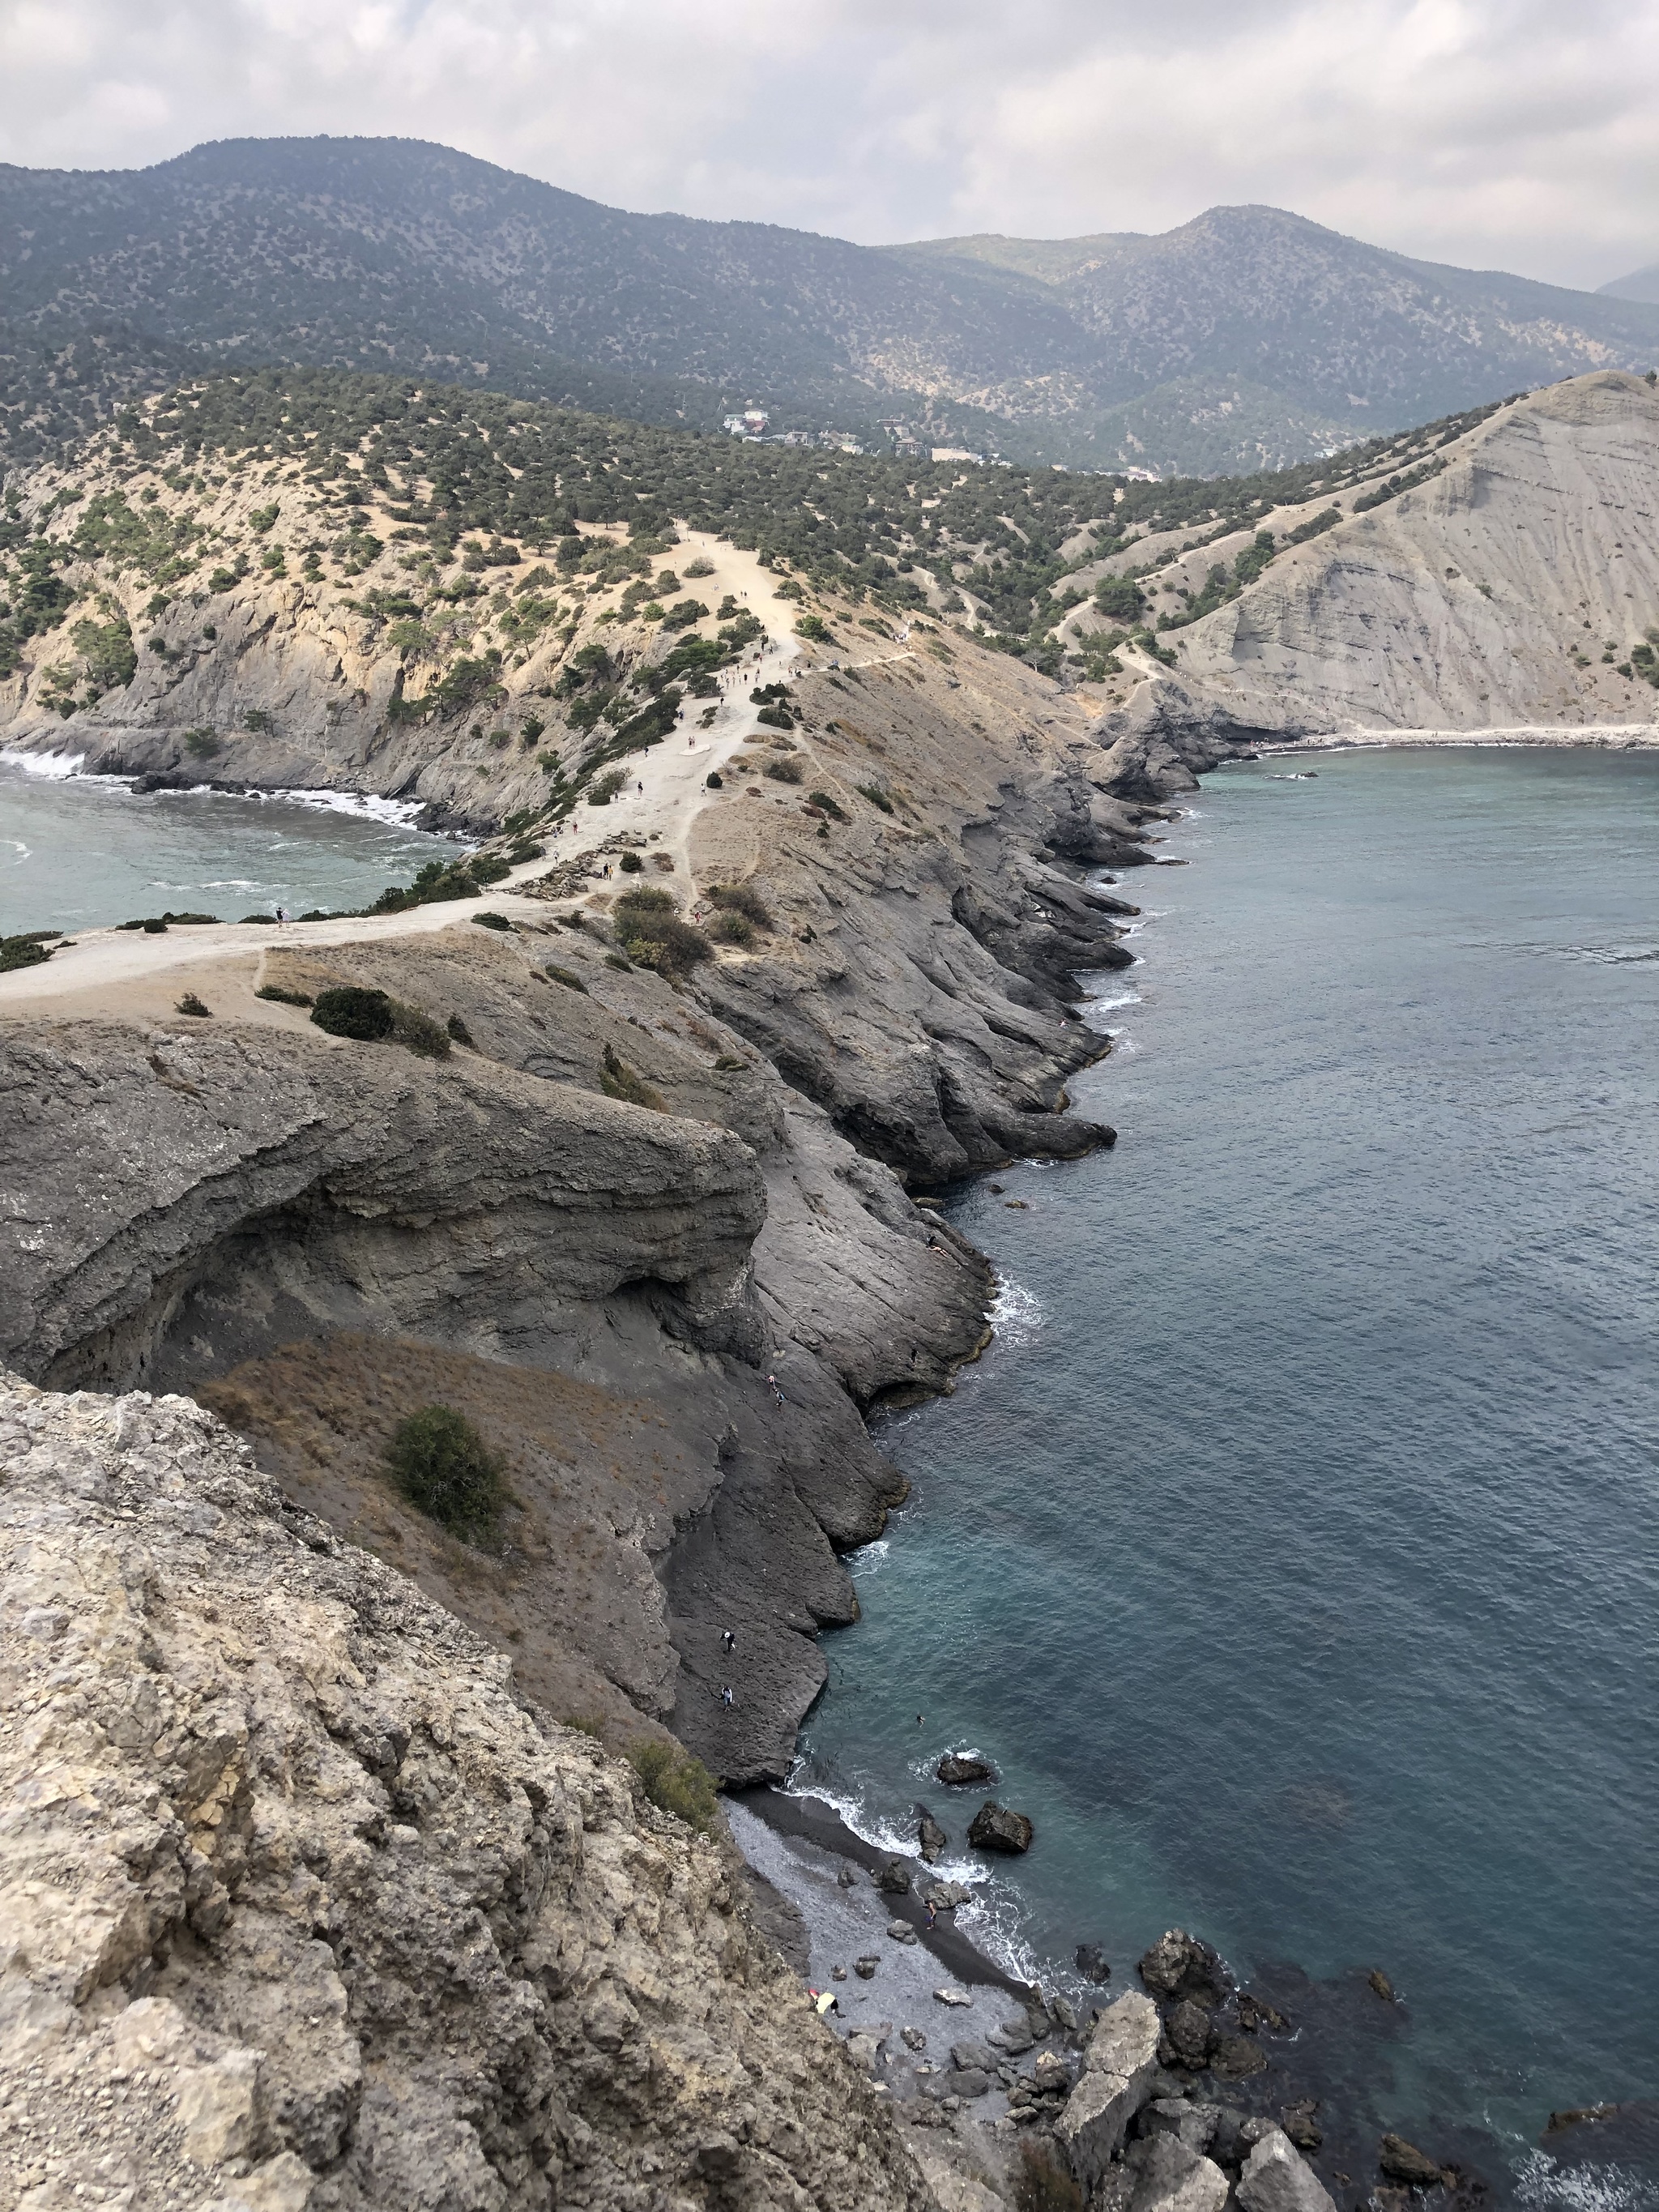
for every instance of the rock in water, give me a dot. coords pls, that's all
(400, 1941)
(1118, 2067)
(961, 1770)
(1380, 1981)
(1236, 2058)
(1179, 1965)
(1300, 2124)
(994, 1828)
(1093, 1963)
(1188, 2029)
(1278, 2178)
(1403, 2161)
(930, 1837)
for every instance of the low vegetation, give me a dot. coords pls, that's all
(676, 1781)
(444, 1468)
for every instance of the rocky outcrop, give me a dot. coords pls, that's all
(1276, 2178)
(1503, 588)
(963, 1769)
(303, 1910)
(1120, 2062)
(995, 1828)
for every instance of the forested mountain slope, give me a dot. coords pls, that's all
(1244, 339)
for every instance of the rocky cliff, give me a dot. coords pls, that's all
(303, 1909)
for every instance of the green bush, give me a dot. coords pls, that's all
(21, 952)
(201, 745)
(815, 628)
(744, 899)
(571, 983)
(715, 780)
(631, 864)
(348, 1011)
(458, 1032)
(441, 1465)
(189, 1004)
(1119, 599)
(732, 929)
(651, 932)
(675, 1782)
(487, 921)
(876, 797)
(418, 1032)
(282, 998)
(827, 806)
(784, 771)
(604, 788)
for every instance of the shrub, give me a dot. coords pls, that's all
(732, 929)
(189, 1004)
(571, 983)
(815, 628)
(776, 718)
(675, 1782)
(255, 719)
(275, 991)
(21, 952)
(619, 960)
(348, 1011)
(619, 1080)
(715, 780)
(822, 799)
(650, 931)
(487, 921)
(441, 1465)
(699, 568)
(153, 926)
(458, 1030)
(784, 771)
(744, 899)
(201, 745)
(1119, 599)
(631, 864)
(418, 1032)
(604, 788)
(876, 797)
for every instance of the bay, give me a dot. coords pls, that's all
(1292, 1550)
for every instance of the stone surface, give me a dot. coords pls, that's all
(1187, 2029)
(961, 1771)
(1118, 2063)
(931, 1839)
(1170, 2177)
(1402, 2161)
(292, 1887)
(995, 1828)
(1093, 1963)
(1278, 2178)
(1236, 2058)
(1181, 1965)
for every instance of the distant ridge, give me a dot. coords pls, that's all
(1246, 338)
(1640, 285)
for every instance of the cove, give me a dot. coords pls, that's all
(86, 852)
(1293, 1549)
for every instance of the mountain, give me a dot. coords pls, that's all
(1245, 339)
(1640, 285)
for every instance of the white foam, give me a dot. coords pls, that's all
(1017, 1314)
(862, 1824)
(1544, 2186)
(53, 766)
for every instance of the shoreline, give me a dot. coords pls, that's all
(1608, 736)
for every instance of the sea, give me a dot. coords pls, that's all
(80, 852)
(1293, 1549)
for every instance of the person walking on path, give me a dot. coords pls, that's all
(728, 1640)
(725, 1694)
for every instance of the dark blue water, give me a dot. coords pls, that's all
(82, 852)
(1294, 1550)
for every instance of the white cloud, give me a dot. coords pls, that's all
(1507, 133)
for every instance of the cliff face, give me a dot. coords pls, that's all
(1507, 589)
(303, 1910)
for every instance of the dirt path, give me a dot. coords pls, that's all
(122, 972)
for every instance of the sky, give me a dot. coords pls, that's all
(1511, 134)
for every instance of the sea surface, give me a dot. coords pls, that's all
(1294, 1550)
(82, 852)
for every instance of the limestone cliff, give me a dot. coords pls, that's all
(1514, 583)
(303, 1910)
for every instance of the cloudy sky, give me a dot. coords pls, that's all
(1516, 134)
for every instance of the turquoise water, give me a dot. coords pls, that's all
(83, 851)
(1293, 1551)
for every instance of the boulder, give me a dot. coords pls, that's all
(973, 2056)
(865, 1968)
(1191, 2124)
(1169, 2176)
(1093, 1963)
(1381, 1985)
(1118, 2063)
(912, 2038)
(1236, 2058)
(930, 1837)
(946, 1896)
(893, 1878)
(951, 1997)
(901, 1931)
(1187, 2029)
(1254, 2012)
(963, 1769)
(1403, 2161)
(994, 1828)
(1180, 1966)
(1017, 2033)
(1300, 2124)
(971, 2082)
(1278, 2178)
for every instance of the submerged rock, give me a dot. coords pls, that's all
(1403, 2161)
(1236, 2058)
(1093, 1963)
(994, 1828)
(1300, 2124)
(961, 1770)
(1379, 1982)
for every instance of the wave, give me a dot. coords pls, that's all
(1541, 2185)
(54, 766)
(1016, 1312)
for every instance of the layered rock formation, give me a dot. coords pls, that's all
(301, 1909)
